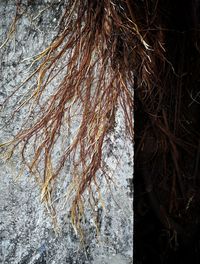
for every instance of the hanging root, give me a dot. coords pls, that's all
(98, 48)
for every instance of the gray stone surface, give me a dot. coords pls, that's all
(27, 235)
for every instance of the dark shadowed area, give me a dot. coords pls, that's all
(167, 129)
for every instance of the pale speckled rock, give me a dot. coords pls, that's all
(26, 233)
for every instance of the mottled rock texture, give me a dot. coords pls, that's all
(27, 235)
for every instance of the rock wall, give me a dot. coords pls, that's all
(27, 235)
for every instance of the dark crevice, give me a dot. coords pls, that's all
(167, 148)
